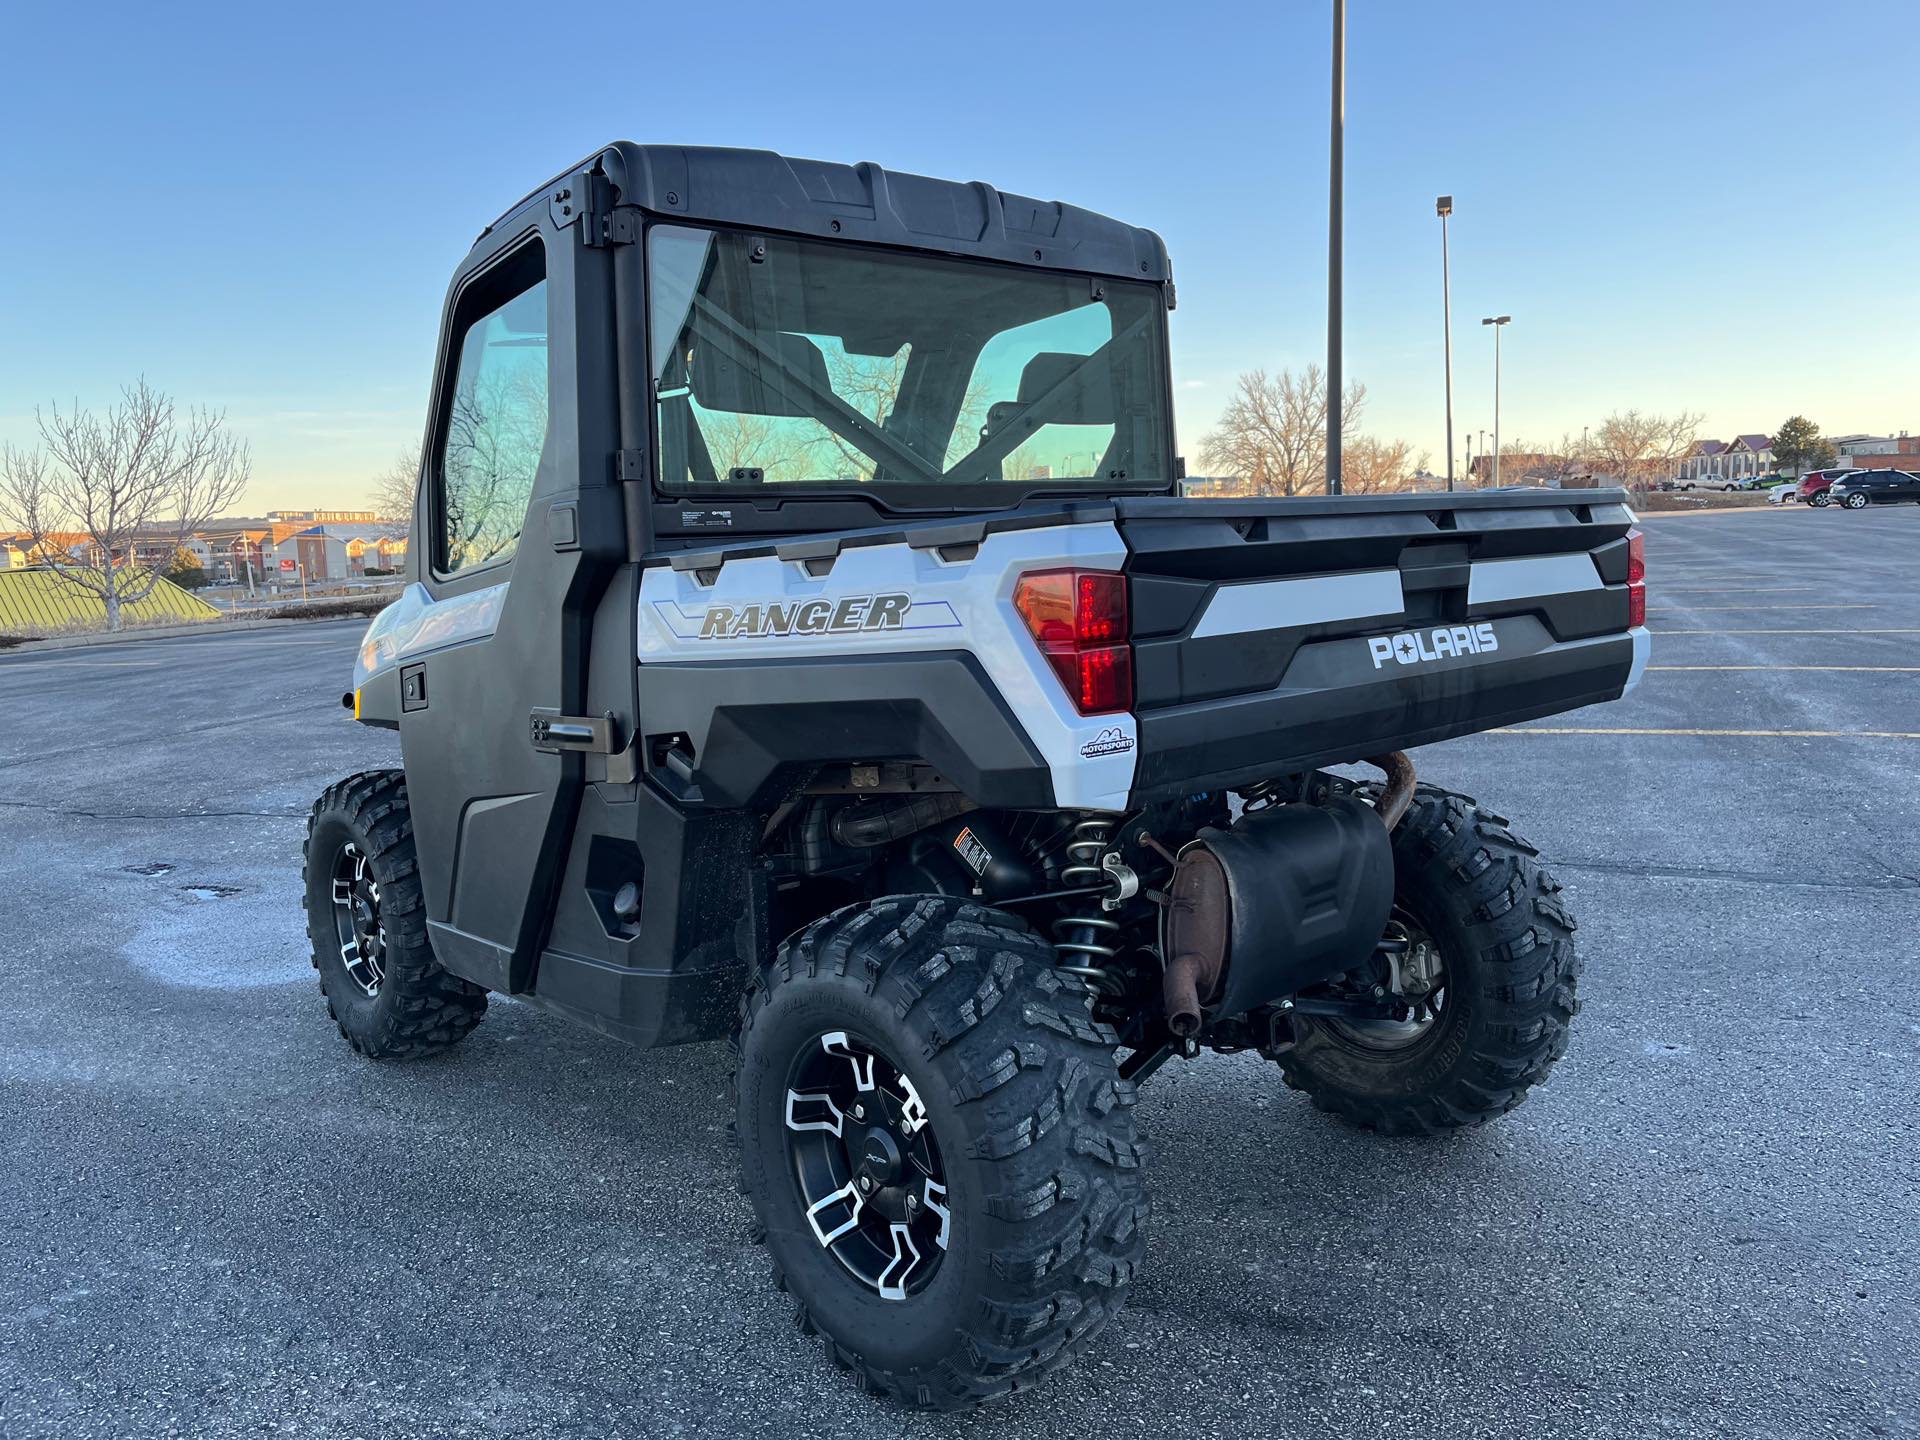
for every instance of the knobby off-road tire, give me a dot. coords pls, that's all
(1506, 943)
(1034, 1130)
(418, 1007)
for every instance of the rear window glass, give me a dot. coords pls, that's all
(781, 361)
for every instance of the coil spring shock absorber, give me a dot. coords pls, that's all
(1085, 942)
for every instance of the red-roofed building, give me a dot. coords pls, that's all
(1723, 461)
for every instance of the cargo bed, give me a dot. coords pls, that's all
(1272, 635)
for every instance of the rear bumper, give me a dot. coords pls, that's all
(1308, 722)
(1642, 653)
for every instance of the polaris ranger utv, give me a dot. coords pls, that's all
(806, 640)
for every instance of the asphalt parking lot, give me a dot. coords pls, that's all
(215, 1220)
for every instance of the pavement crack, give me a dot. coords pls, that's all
(1888, 881)
(152, 814)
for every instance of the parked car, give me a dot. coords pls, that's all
(1876, 487)
(1758, 482)
(1815, 484)
(1784, 494)
(1726, 484)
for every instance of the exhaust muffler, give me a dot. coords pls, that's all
(1285, 898)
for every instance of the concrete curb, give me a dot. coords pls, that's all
(210, 628)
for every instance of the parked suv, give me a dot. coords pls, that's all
(1815, 484)
(1875, 487)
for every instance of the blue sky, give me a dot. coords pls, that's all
(258, 207)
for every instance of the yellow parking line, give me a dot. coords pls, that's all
(1788, 734)
(1874, 669)
(1736, 589)
(1850, 605)
(1785, 632)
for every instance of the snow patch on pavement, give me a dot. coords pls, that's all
(203, 939)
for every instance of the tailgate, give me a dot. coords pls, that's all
(1278, 635)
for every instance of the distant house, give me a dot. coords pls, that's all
(376, 552)
(1750, 455)
(1704, 460)
(317, 554)
(1848, 446)
(1879, 452)
(1725, 460)
(235, 550)
(333, 550)
(18, 551)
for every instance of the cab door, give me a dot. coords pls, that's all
(517, 533)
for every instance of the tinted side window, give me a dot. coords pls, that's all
(494, 424)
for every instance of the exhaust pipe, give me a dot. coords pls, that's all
(1199, 915)
(1398, 796)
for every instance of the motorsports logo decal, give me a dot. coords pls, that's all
(1110, 741)
(1448, 642)
(846, 615)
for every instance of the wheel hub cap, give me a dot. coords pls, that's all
(356, 908)
(866, 1165)
(881, 1159)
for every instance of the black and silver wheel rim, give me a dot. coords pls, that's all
(866, 1164)
(356, 919)
(1416, 1019)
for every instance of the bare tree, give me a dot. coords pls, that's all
(871, 385)
(1273, 433)
(141, 473)
(393, 488)
(1673, 437)
(1556, 463)
(740, 441)
(1023, 464)
(1637, 449)
(1372, 466)
(495, 433)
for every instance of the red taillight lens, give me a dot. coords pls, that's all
(1079, 620)
(1099, 608)
(1636, 578)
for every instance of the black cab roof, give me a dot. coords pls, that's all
(862, 202)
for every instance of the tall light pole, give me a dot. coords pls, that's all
(1499, 323)
(1338, 150)
(1444, 207)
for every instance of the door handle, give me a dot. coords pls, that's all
(554, 733)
